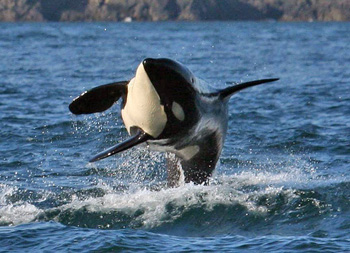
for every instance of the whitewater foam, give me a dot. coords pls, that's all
(154, 208)
(15, 213)
(150, 207)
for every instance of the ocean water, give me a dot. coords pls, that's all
(282, 184)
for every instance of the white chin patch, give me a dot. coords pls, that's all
(143, 108)
(178, 111)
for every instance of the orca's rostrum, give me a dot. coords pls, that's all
(166, 106)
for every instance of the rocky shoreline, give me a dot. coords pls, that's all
(163, 10)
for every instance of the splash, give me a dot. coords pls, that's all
(15, 213)
(247, 197)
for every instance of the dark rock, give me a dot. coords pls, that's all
(52, 10)
(219, 10)
(161, 10)
(20, 10)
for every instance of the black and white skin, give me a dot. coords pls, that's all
(171, 110)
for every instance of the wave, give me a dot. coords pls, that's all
(261, 201)
(17, 212)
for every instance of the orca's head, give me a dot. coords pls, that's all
(168, 73)
(161, 99)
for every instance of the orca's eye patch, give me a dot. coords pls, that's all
(178, 111)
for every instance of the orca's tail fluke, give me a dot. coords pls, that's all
(138, 138)
(98, 99)
(229, 91)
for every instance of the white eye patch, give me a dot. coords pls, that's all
(178, 111)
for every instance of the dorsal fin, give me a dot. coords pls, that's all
(228, 92)
(99, 98)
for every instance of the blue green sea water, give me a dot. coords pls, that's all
(282, 184)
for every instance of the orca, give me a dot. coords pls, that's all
(171, 110)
